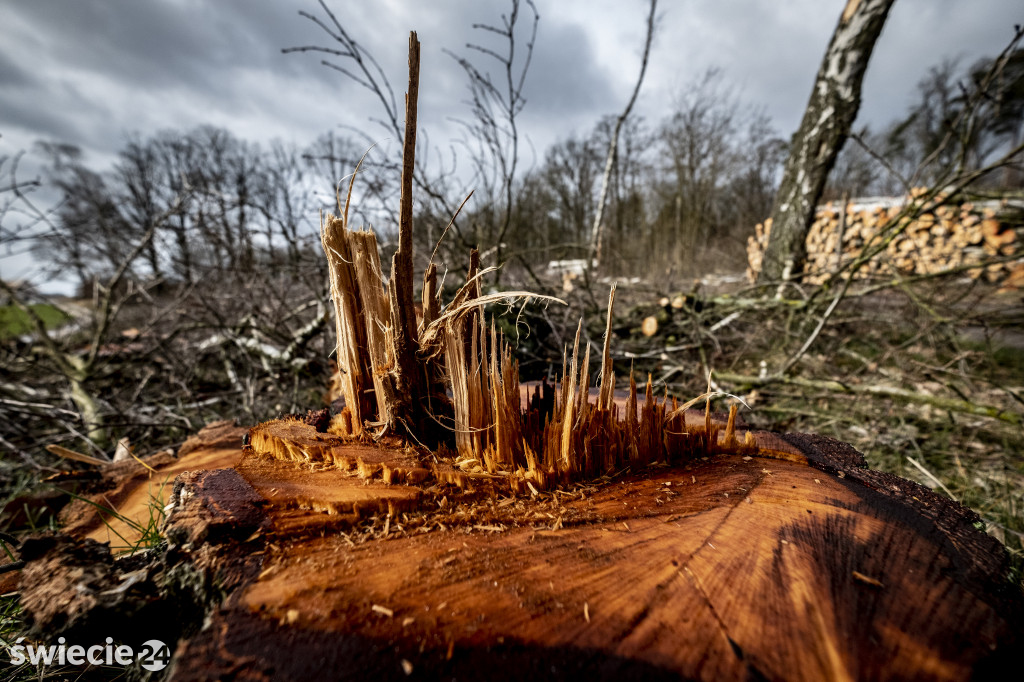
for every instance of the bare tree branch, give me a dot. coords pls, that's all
(613, 145)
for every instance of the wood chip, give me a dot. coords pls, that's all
(76, 456)
(857, 575)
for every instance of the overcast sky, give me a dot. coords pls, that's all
(93, 72)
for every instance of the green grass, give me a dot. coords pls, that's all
(13, 628)
(12, 625)
(14, 321)
(148, 530)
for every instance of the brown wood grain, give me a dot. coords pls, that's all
(804, 567)
(358, 560)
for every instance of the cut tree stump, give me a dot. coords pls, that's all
(795, 562)
(555, 533)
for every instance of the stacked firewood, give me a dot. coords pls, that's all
(979, 239)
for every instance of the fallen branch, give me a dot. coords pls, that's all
(949, 404)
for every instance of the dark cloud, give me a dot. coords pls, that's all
(565, 78)
(89, 73)
(11, 74)
(24, 113)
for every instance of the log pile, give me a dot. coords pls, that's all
(981, 239)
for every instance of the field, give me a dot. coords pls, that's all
(15, 322)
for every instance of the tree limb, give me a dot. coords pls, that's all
(613, 145)
(950, 404)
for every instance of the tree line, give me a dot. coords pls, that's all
(690, 185)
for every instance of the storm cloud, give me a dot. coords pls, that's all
(93, 73)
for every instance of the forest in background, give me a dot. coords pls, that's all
(201, 286)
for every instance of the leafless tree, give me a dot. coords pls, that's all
(700, 151)
(495, 105)
(613, 145)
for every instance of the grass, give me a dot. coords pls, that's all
(143, 534)
(12, 627)
(15, 322)
(12, 624)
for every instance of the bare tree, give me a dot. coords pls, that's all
(613, 145)
(569, 174)
(833, 106)
(701, 152)
(495, 105)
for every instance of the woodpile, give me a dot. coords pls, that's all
(980, 239)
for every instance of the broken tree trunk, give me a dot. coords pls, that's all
(826, 124)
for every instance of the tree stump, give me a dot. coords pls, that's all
(793, 562)
(569, 535)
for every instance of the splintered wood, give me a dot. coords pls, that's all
(981, 239)
(360, 313)
(450, 380)
(559, 435)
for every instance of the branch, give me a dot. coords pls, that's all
(952, 405)
(108, 308)
(613, 145)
